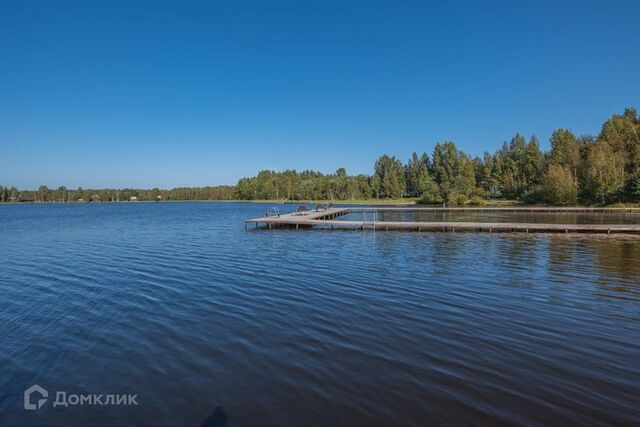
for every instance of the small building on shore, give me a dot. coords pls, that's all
(133, 199)
(26, 199)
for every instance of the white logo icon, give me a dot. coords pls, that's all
(28, 405)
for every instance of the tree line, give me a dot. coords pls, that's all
(602, 169)
(64, 195)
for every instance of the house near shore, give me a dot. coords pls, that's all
(133, 199)
(26, 199)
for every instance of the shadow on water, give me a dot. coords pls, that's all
(218, 418)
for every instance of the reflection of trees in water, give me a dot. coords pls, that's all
(515, 260)
(612, 263)
(563, 250)
(517, 255)
(619, 257)
(569, 270)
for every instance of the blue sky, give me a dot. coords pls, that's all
(168, 94)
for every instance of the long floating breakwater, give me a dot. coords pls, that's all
(327, 219)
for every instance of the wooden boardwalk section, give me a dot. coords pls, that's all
(296, 219)
(503, 209)
(327, 219)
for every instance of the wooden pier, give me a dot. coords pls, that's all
(500, 209)
(297, 219)
(326, 219)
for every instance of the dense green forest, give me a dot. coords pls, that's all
(601, 169)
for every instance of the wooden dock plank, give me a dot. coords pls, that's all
(326, 218)
(301, 216)
(474, 226)
(537, 209)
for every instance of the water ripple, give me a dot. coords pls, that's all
(181, 305)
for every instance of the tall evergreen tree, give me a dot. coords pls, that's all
(533, 167)
(565, 151)
(417, 174)
(453, 172)
(389, 179)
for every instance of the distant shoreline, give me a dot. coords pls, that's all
(372, 202)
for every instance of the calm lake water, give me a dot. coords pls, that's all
(177, 303)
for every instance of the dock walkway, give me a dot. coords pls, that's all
(299, 218)
(501, 209)
(326, 219)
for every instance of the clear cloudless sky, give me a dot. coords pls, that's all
(159, 93)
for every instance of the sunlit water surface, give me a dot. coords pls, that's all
(179, 304)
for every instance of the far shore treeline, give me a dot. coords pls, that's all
(602, 169)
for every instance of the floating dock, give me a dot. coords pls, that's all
(296, 219)
(327, 219)
(499, 209)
